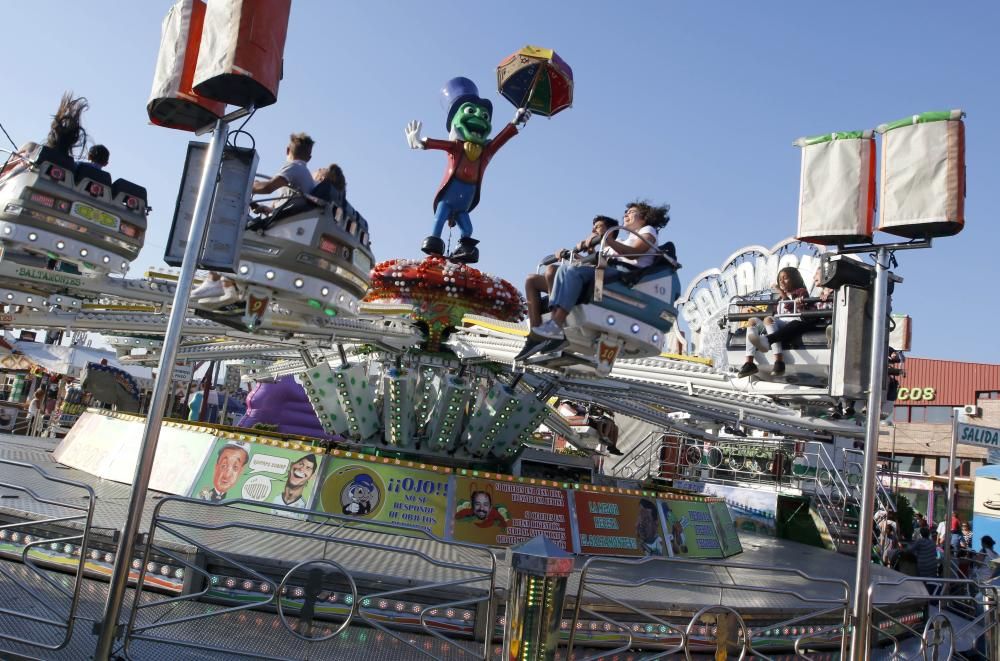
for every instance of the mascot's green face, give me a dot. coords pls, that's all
(472, 123)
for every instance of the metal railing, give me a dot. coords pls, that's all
(34, 585)
(835, 490)
(623, 621)
(311, 604)
(887, 472)
(642, 460)
(962, 621)
(756, 462)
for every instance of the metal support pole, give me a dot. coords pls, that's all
(876, 394)
(168, 355)
(206, 387)
(950, 510)
(308, 360)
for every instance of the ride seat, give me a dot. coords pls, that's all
(627, 295)
(50, 155)
(814, 339)
(125, 187)
(290, 207)
(47, 155)
(327, 191)
(86, 172)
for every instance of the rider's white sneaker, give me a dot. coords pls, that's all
(208, 289)
(550, 330)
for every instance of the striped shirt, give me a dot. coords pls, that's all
(926, 552)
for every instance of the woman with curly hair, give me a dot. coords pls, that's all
(638, 249)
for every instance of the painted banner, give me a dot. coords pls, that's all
(90, 443)
(177, 452)
(385, 493)
(507, 513)
(690, 529)
(752, 510)
(256, 471)
(611, 524)
(725, 528)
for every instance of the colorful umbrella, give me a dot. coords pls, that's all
(537, 79)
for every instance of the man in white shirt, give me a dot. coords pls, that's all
(294, 177)
(299, 475)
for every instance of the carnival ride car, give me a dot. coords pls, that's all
(311, 255)
(625, 316)
(807, 357)
(53, 207)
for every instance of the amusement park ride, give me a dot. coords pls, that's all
(425, 360)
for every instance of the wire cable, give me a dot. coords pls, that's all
(8, 137)
(233, 135)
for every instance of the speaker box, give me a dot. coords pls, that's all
(836, 271)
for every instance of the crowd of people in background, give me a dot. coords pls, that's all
(923, 553)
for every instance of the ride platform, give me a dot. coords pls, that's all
(212, 569)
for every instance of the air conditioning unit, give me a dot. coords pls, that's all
(972, 409)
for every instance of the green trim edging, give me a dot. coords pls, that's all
(922, 118)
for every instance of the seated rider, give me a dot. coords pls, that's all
(637, 250)
(536, 283)
(791, 290)
(65, 134)
(98, 157)
(330, 183)
(294, 177)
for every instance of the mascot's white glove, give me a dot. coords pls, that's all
(521, 117)
(413, 135)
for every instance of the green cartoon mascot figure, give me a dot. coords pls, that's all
(469, 152)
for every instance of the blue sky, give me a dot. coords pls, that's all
(691, 103)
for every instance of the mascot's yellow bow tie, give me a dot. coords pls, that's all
(472, 150)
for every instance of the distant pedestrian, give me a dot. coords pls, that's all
(35, 411)
(926, 554)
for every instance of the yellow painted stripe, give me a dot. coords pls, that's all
(390, 309)
(137, 307)
(500, 327)
(687, 359)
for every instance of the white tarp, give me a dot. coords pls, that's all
(923, 175)
(73, 360)
(837, 188)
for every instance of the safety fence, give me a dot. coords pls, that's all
(962, 620)
(299, 586)
(39, 607)
(660, 604)
(275, 582)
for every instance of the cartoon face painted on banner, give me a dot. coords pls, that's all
(353, 490)
(358, 497)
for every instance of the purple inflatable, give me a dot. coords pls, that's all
(282, 402)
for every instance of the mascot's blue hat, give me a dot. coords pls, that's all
(458, 91)
(364, 481)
